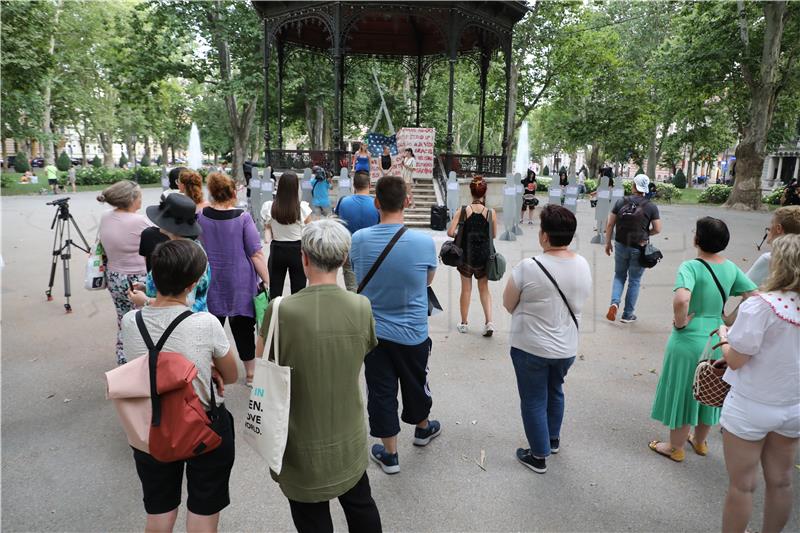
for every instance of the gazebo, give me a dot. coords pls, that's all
(417, 34)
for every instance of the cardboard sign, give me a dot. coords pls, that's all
(572, 190)
(421, 141)
(306, 185)
(255, 183)
(344, 183)
(618, 193)
(520, 189)
(266, 185)
(452, 185)
(555, 193)
(510, 191)
(570, 200)
(605, 195)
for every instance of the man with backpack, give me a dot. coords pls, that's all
(632, 221)
(320, 197)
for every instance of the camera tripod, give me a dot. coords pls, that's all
(63, 247)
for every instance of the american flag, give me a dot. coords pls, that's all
(376, 142)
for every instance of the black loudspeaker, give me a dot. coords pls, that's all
(439, 217)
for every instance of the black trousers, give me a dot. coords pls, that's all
(359, 510)
(243, 329)
(284, 256)
(386, 365)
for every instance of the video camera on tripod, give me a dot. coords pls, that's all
(62, 247)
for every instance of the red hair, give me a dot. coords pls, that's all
(477, 187)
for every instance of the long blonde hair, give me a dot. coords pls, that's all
(784, 265)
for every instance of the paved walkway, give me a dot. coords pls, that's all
(66, 465)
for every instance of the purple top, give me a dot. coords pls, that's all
(230, 238)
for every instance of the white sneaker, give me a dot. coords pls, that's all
(462, 328)
(488, 329)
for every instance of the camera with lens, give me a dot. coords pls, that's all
(60, 202)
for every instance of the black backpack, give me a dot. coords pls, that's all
(631, 218)
(439, 217)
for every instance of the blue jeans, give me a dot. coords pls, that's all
(541, 398)
(626, 266)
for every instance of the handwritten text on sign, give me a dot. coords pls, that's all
(421, 141)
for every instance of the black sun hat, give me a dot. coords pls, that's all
(176, 214)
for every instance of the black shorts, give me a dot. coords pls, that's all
(529, 203)
(207, 478)
(385, 366)
(52, 182)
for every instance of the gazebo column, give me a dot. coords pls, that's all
(507, 52)
(267, 137)
(419, 86)
(451, 52)
(338, 66)
(485, 58)
(280, 48)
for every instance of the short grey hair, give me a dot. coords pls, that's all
(326, 242)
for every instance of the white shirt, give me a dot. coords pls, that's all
(407, 170)
(284, 232)
(759, 272)
(199, 338)
(541, 324)
(772, 373)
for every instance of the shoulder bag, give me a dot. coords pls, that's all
(649, 255)
(552, 279)
(451, 253)
(496, 265)
(266, 426)
(380, 259)
(728, 320)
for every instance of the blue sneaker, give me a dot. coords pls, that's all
(628, 319)
(389, 462)
(423, 437)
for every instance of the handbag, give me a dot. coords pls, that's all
(434, 307)
(451, 253)
(260, 303)
(727, 319)
(496, 264)
(708, 386)
(380, 259)
(552, 279)
(95, 276)
(266, 426)
(649, 255)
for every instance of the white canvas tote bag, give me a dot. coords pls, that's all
(266, 426)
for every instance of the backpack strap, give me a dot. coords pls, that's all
(716, 280)
(153, 351)
(551, 278)
(380, 259)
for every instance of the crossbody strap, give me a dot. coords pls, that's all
(722, 293)
(380, 259)
(551, 278)
(152, 361)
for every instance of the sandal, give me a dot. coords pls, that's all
(677, 455)
(699, 449)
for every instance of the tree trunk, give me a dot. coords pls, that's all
(594, 160)
(512, 109)
(573, 157)
(652, 154)
(319, 127)
(130, 147)
(107, 146)
(690, 166)
(147, 146)
(164, 153)
(746, 193)
(172, 148)
(83, 138)
(47, 131)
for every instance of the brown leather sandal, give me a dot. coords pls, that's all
(677, 455)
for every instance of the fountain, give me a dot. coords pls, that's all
(522, 160)
(195, 154)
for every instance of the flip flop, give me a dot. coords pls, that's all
(676, 455)
(700, 449)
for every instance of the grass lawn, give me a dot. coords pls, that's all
(688, 196)
(16, 189)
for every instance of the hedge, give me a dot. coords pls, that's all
(63, 163)
(107, 176)
(667, 191)
(96, 162)
(591, 185)
(545, 171)
(774, 198)
(715, 194)
(679, 180)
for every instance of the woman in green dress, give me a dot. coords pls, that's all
(698, 304)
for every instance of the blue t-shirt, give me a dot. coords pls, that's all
(398, 291)
(358, 211)
(319, 192)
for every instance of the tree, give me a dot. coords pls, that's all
(63, 163)
(21, 162)
(123, 161)
(146, 160)
(96, 162)
(766, 74)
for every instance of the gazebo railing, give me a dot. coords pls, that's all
(300, 159)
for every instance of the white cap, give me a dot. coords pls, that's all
(641, 182)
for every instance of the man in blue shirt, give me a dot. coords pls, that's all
(358, 211)
(399, 297)
(320, 199)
